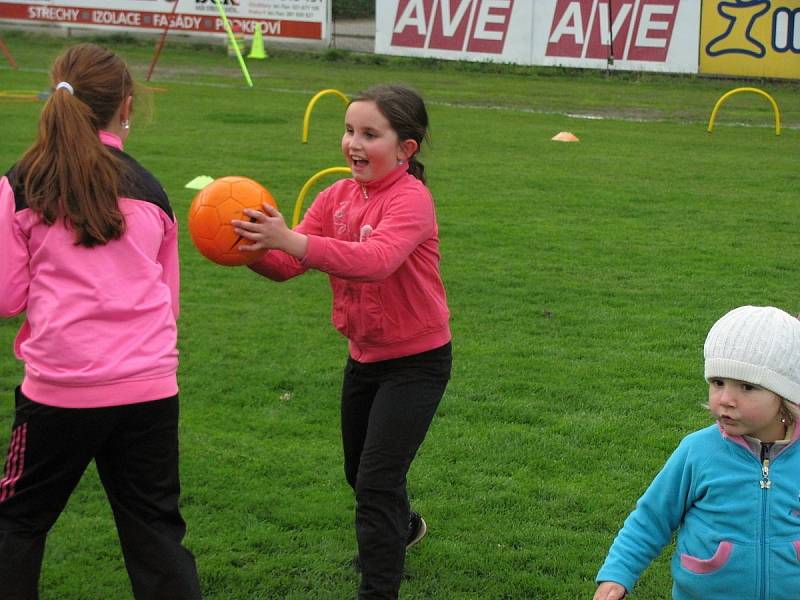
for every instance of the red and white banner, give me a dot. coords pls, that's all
(640, 35)
(478, 30)
(303, 20)
(649, 35)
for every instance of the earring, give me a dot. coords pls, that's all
(401, 162)
(126, 124)
(786, 415)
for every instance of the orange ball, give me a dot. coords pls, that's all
(210, 218)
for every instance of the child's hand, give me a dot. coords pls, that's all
(609, 590)
(268, 230)
(265, 229)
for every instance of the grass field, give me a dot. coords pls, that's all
(582, 280)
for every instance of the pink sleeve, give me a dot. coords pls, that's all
(168, 259)
(14, 273)
(408, 221)
(277, 265)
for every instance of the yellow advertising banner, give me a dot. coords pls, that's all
(751, 38)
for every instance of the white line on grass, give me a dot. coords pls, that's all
(516, 109)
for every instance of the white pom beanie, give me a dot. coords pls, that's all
(759, 345)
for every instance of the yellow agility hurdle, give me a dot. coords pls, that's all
(311, 104)
(22, 95)
(727, 95)
(298, 205)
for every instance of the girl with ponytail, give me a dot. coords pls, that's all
(69, 173)
(376, 236)
(89, 247)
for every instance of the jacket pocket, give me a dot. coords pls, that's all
(702, 570)
(784, 566)
(341, 293)
(365, 316)
(708, 565)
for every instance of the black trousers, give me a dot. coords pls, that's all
(135, 448)
(387, 408)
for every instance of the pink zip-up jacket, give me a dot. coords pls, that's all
(100, 327)
(379, 244)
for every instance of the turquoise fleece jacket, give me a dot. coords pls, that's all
(738, 522)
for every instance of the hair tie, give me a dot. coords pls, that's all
(66, 86)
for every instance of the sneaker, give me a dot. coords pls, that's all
(417, 528)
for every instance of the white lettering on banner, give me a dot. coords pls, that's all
(619, 20)
(185, 22)
(110, 17)
(570, 24)
(248, 27)
(457, 25)
(271, 27)
(46, 13)
(648, 24)
(309, 20)
(640, 29)
(451, 23)
(413, 16)
(485, 17)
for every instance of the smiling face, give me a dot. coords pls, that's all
(745, 409)
(369, 144)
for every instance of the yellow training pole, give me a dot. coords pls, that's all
(311, 104)
(727, 95)
(298, 205)
(232, 39)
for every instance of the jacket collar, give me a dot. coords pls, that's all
(742, 441)
(378, 185)
(110, 139)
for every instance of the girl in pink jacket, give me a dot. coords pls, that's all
(90, 254)
(376, 236)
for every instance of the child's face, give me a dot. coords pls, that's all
(369, 143)
(745, 409)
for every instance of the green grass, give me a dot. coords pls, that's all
(582, 279)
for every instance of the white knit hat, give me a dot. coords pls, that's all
(759, 345)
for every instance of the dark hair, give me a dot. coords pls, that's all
(68, 173)
(406, 113)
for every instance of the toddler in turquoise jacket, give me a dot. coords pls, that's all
(731, 490)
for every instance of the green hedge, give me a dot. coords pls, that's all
(353, 9)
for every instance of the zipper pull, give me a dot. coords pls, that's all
(765, 483)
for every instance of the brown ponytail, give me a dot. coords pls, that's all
(68, 173)
(406, 113)
(416, 168)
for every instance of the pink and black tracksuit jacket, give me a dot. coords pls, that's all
(100, 323)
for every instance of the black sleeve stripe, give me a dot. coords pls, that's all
(16, 184)
(137, 183)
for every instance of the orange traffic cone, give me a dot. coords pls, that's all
(565, 136)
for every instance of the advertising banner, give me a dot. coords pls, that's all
(305, 20)
(647, 35)
(753, 38)
(640, 35)
(474, 30)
